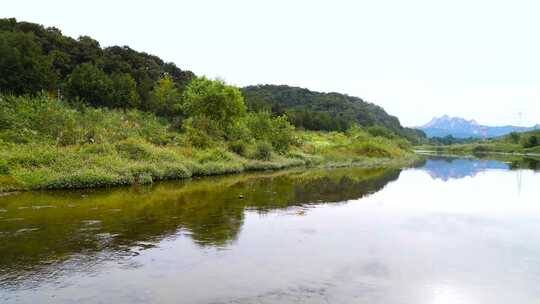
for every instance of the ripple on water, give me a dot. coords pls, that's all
(91, 222)
(13, 219)
(43, 207)
(25, 230)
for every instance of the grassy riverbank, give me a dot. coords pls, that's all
(49, 144)
(527, 143)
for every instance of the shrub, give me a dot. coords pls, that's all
(514, 137)
(213, 155)
(47, 178)
(201, 132)
(281, 134)
(238, 147)
(31, 156)
(134, 149)
(381, 132)
(480, 149)
(214, 99)
(531, 142)
(277, 131)
(4, 168)
(263, 151)
(174, 171)
(99, 149)
(370, 149)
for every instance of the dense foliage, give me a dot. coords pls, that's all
(451, 140)
(34, 59)
(323, 111)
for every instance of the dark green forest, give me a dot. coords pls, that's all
(323, 111)
(34, 58)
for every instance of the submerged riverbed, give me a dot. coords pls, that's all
(448, 231)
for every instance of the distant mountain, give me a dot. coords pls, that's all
(462, 128)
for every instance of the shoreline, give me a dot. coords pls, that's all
(471, 154)
(398, 162)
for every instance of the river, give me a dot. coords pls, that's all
(449, 230)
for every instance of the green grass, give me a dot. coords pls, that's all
(47, 144)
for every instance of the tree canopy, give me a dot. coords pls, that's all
(214, 99)
(34, 59)
(323, 111)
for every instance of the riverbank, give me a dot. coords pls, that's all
(519, 144)
(47, 143)
(135, 161)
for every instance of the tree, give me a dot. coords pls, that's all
(23, 67)
(278, 131)
(124, 91)
(90, 84)
(165, 99)
(214, 99)
(34, 58)
(514, 137)
(531, 142)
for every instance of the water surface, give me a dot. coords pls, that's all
(448, 231)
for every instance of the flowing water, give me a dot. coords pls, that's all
(447, 231)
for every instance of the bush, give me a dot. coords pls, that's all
(531, 142)
(514, 137)
(369, 149)
(99, 149)
(238, 147)
(277, 131)
(4, 168)
(480, 149)
(381, 132)
(201, 132)
(134, 149)
(263, 151)
(221, 103)
(46, 120)
(213, 155)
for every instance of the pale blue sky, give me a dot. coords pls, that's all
(417, 59)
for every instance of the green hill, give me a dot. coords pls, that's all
(34, 58)
(324, 111)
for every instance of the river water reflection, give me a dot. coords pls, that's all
(447, 231)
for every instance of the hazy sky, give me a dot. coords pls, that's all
(416, 58)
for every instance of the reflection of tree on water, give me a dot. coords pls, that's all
(43, 231)
(525, 163)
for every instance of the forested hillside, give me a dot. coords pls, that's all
(34, 58)
(323, 111)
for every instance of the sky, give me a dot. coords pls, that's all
(417, 59)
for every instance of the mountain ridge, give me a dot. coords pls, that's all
(462, 128)
(328, 111)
